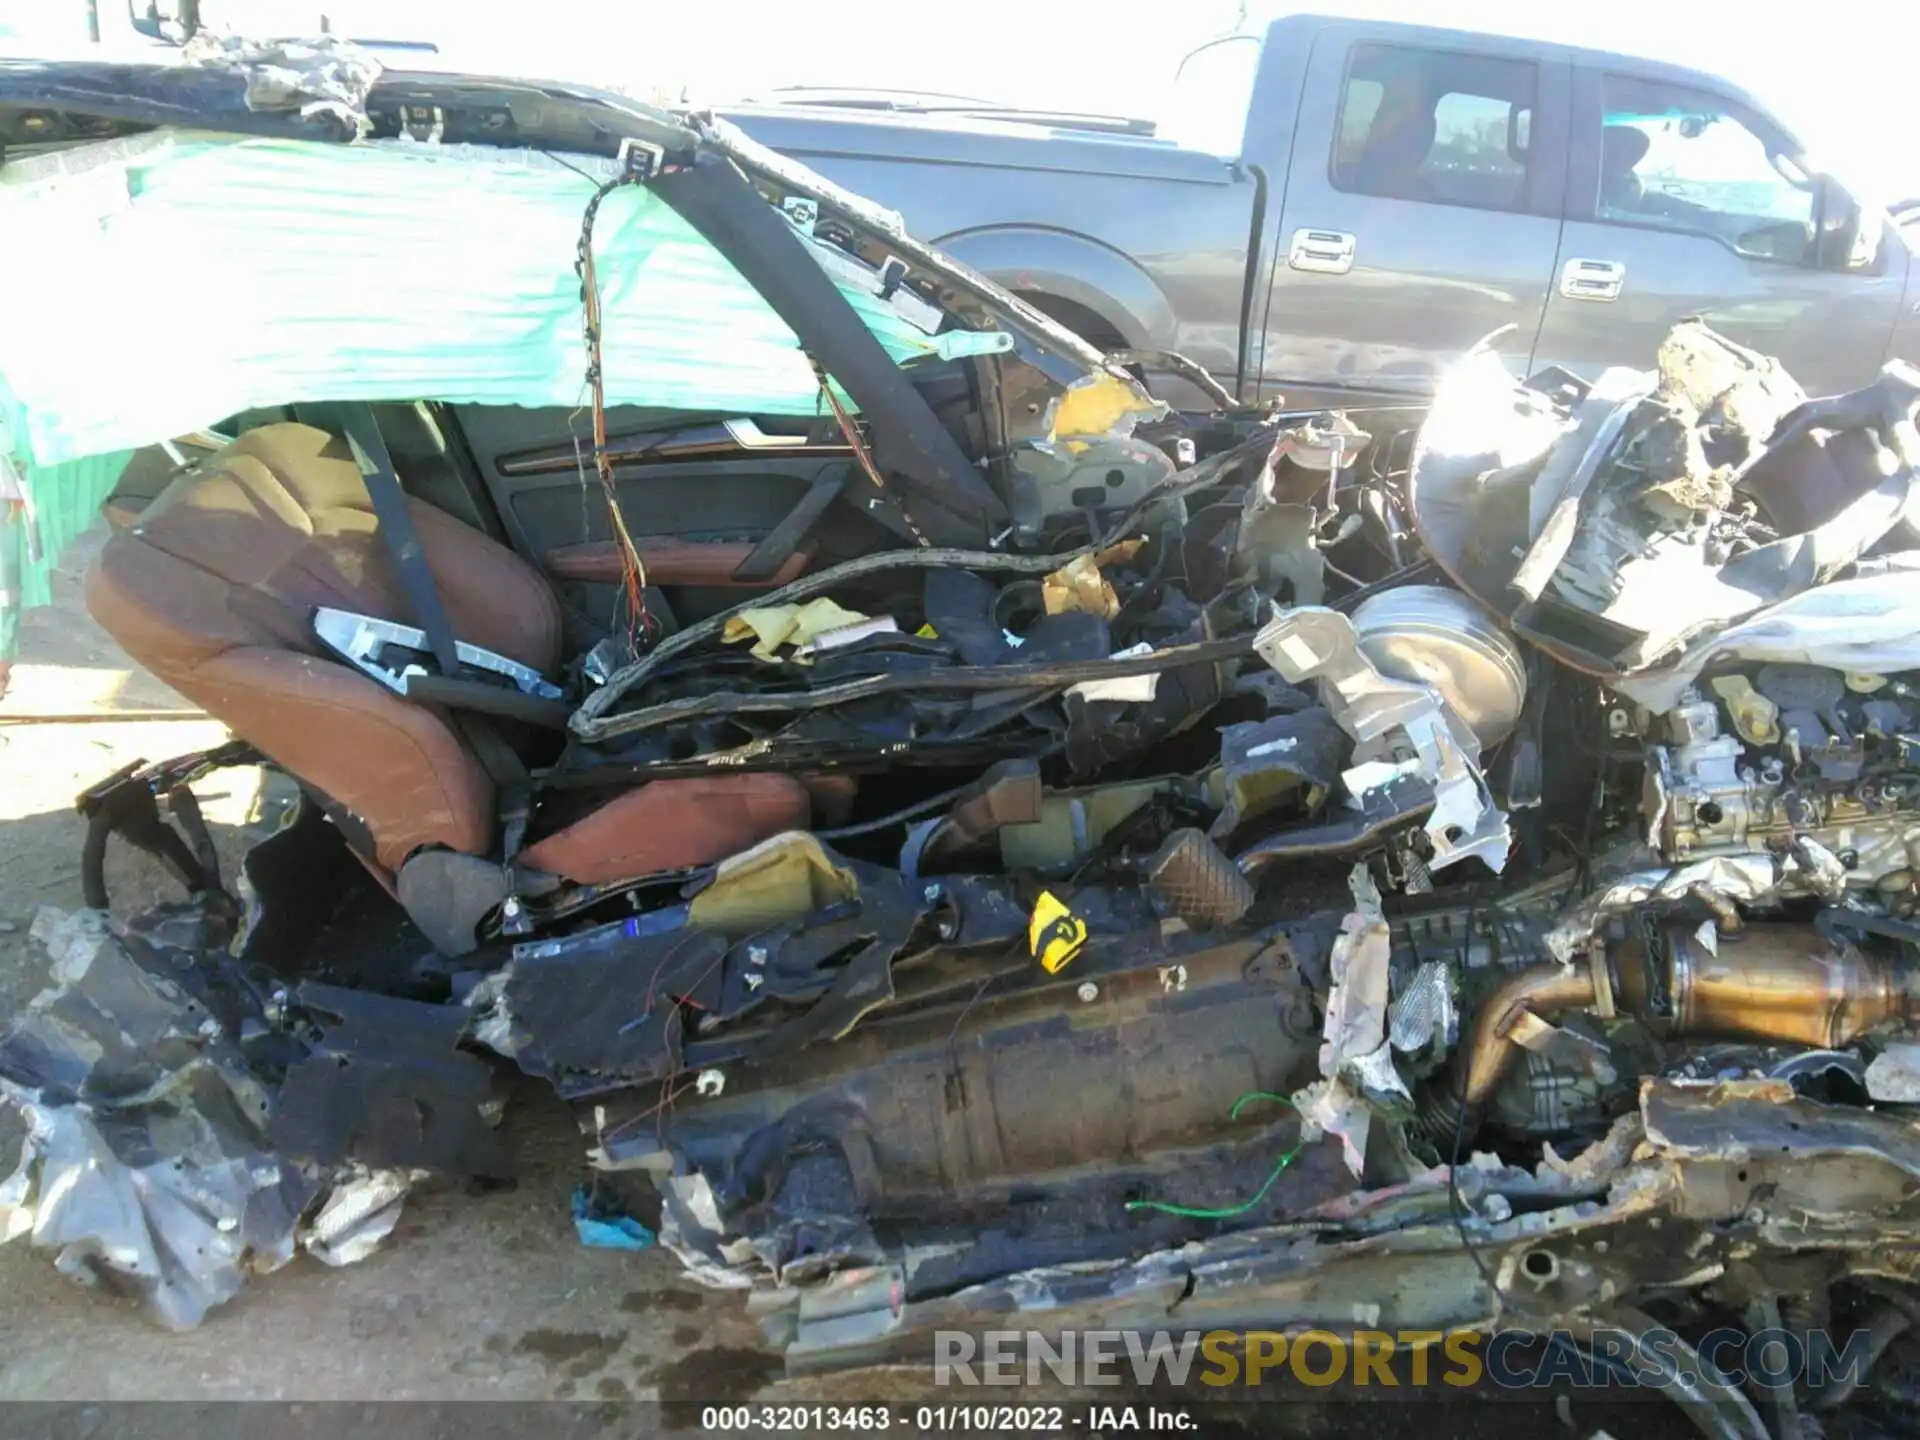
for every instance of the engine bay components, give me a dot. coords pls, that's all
(1438, 637)
(1776, 982)
(1830, 793)
(1648, 512)
(1404, 730)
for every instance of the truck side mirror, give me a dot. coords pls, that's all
(1848, 238)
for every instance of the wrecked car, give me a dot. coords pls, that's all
(965, 838)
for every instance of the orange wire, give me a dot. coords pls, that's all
(633, 573)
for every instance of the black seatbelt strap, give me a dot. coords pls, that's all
(954, 505)
(396, 528)
(512, 785)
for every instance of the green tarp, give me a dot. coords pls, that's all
(66, 502)
(162, 283)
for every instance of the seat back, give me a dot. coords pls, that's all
(213, 588)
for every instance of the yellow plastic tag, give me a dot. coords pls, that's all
(1055, 933)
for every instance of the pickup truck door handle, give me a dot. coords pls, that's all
(1592, 279)
(1326, 252)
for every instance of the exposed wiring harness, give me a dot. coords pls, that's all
(633, 574)
(851, 433)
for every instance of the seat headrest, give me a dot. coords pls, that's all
(1621, 148)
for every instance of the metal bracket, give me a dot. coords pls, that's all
(641, 159)
(390, 653)
(1311, 642)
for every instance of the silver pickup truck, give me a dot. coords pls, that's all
(1398, 193)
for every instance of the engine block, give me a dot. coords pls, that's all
(1834, 795)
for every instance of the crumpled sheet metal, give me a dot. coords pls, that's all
(1746, 879)
(1483, 442)
(108, 1196)
(322, 76)
(146, 1166)
(1861, 626)
(360, 1211)
(1330, 1107)
(1356, 1022)
(1356, 1062)
(1663, 1224)
(1743, 1119)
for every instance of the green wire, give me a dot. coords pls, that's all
(1192, 1213)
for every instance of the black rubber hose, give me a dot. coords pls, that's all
(93, 859)
(1055, 675)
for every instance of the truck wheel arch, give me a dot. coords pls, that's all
(1087, 286)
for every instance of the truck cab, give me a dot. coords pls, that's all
(1344, 207)
(1442, 186)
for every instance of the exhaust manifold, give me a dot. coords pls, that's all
(1787, 983)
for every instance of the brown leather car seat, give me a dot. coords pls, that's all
(213, 591)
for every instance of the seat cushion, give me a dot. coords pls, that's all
(672, 824)
(392, 766)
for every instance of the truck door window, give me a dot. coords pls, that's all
(1436, 125)
(1679, 160)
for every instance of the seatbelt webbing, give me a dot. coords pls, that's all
(397, 529)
